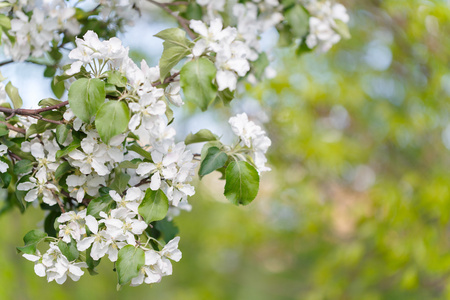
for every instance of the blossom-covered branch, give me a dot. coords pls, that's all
(108, 156)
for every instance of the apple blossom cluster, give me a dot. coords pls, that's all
(55, 265)
(108, 236)
(324, 23)
(35, 25)
(162, 173)
(252, 139)
(107, 165)
(172, 167)
(117, 169)
(119, 11)
(237, 47)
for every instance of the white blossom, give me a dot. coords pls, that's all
(39, 186)
(3, 166)
(252, 137)
(92, 158)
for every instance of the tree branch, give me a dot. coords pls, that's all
(13, 128)
(3, 63)
(169, 79)
(182, 21)
(35, 113)
(29, 112)
(61, 205)
(39, 117)
(14, 157)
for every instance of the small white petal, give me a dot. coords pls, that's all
(92, 224)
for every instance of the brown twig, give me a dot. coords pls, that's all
(39, 117)
(169, 79)
(142, 182)
(13, 128)
(3, 63)
(14, 157)
(30, 112)
(182, 21)
(34, 113)
(61, 206)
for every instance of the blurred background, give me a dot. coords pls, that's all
(357, 205)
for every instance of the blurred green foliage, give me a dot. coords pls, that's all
(358, 203)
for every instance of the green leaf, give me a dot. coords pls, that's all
(286, 37)
(3, 129)
(69, 250)
(104, 203)
(129, 263)
(23, 166)
(55, 54)
(194, 11)
(49, 102)
(104, 191)
(226, 96)
(58, 88)
(203, 135)
(49, 223)
(214, 159)
(260, 65)
(139, 150)
(13, 94)
(342, 29)
(154, 206)
(49, 72)
(112, 119)
(5, 180)
(5, 4)
(62, 131)
(126, 164)
(120, 182)
(20, 195)
(242, 183)
(208, 145)
(31, 130)
(288, 3)
(60, 78)
(62, 170)
(298, 19)
(196, 79)
(85, 97)
(91, 262)
(111, 90)
(169, 115)
(303, 48)
(74, 145)
(31, 240)
(116, 78)
(167, 228)
(175, 36)
(5, 22)
(176, 47)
